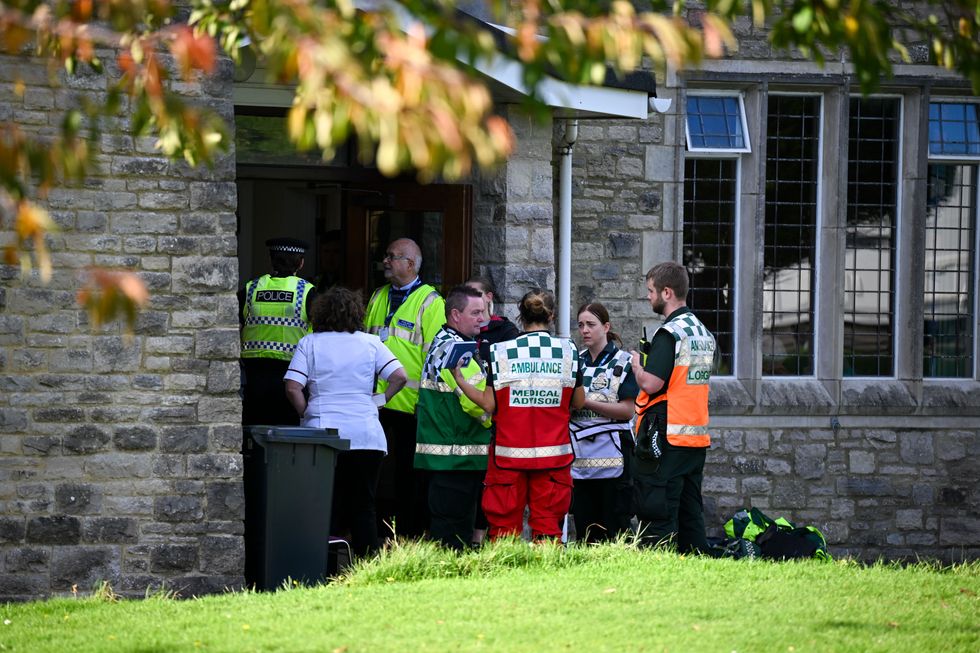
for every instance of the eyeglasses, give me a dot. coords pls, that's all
(394, 257)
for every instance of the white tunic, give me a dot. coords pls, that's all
(339, 370)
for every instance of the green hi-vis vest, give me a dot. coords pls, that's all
(453, 432)
(275, 317)
(410, 333)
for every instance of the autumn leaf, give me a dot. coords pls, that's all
(110, 294)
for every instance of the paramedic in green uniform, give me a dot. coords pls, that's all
(453, 432)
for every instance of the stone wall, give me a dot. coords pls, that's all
(120, 455)
(513, 238)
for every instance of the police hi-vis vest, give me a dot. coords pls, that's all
(408, 336)
(453, 432)
(534, 378)
(275, 317)
(595, 437)
(687, 390)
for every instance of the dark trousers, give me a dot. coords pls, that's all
(402, 494)
(264, 393)
(668, 497)
(603, 507)
(355, 485)
(453, 500)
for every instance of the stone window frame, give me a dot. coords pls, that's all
(828, 392)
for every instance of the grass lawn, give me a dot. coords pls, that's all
(515, 597)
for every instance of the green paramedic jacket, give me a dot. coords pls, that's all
(453, 432)
(410, 333)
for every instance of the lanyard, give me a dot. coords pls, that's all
(391, 307)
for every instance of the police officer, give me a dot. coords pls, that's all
(672, 416)
(274, 315)
(406, 314)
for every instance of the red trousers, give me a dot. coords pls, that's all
(548, 494)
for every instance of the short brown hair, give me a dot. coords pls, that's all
(338, 309)
(459, 297)
(670, 275)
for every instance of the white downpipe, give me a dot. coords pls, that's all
(564, 298)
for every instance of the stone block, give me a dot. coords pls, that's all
(85, 440)
(223, 377)
(110, 530)
(217, 344)
(866, 487)
(214, 410)
(810, 460)
(78, 499)
(59, 414)
(84, 567)
(861, 462)
(177, 509)
(225, 501)
(12, 420)
(168, 558)
(115, 465)
(204, 273)
(114, 354)
(916, 448)
(908, 520)
(184, 439)
(27, 559)
(23, 587)
(12, 529)
(222, 555)
(59, 529)
(214, 196)
(624, 245)
(719, 485)
(226, 438)
(756, 485)
(191, 586)
(134, 438)
(214, 465)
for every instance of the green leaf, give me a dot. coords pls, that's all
(803, 19)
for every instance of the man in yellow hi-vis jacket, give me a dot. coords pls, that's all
(406, 314)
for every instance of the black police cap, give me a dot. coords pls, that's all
(289, 245)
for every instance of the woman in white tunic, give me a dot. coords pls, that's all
(339, 364)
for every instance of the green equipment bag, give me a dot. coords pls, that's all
(779, 538)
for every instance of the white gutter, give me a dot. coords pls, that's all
(564, 297)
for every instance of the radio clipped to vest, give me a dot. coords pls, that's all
(644, 348)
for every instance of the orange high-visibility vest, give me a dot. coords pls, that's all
(687, 389)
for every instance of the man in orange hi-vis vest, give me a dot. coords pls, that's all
(671, 424)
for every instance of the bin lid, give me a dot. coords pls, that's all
(297, 435)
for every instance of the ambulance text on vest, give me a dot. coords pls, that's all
(552, 368)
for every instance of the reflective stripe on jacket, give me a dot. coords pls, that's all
(534, 377)
(274, 317)
(410, 333)
(687, 389)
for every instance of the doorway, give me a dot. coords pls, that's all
(349, 224)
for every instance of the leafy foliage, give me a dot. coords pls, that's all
(397, 76)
